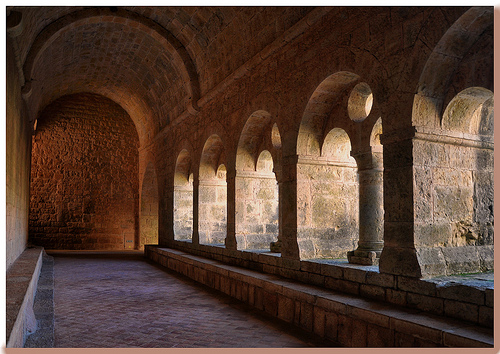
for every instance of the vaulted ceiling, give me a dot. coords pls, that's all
(156, 62)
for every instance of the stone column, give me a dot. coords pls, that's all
(288, 209)
(276, 246)
(196, 193)
(371, 209)
(399, 256)
(230, 240)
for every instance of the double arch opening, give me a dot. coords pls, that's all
(339, 173)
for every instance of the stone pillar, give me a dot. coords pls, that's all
(276, 246)
(371, 209)
(230, 240)
(196, 193)
(399, 256)
(288, 209)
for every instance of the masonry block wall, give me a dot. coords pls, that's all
(17, 163)
(84, 180)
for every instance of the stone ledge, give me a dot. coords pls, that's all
(299, 303)
(21, 284)
(367, 281)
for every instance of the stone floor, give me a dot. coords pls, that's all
(122, 300)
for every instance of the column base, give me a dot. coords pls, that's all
(276, 246)
(363, 257)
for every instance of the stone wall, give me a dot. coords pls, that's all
(213, 210)
(183, 212)
(84, 179)
(256, 210)
(327, 207)
(453, 207)
(17, 163)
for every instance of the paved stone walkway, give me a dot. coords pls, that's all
(122, 300)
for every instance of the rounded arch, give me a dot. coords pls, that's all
(251, 140)
(429, 100)
(265, 162)
(86, 178)
(183, 197)
(183, 168)
(186, 65)
(470, 111)
(212, 193)
(317, 112)
(337, 146)
(213, 155)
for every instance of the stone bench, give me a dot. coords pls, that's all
(346, 319)
(21, 284)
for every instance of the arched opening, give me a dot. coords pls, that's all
(470, 111)
(257, 206)
(183, 198)
(327, 182)
(327, 195)
(462, 185)
(257, 210)
(212, 190)
(148, 226)
(84, 176)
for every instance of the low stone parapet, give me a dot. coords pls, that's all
(460, 297)
(347, 319)
(21, 285)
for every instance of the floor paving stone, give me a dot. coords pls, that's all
(122, 300)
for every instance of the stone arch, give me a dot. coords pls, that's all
(256, 187)
(264, 162)
(105, 14)
(251, 140)
(470, 111)
(212, 156)
(148, 227)
(337, 146)
(429, 100)
(327, 199)
(319, 107)
(212, 191)
(183, 197)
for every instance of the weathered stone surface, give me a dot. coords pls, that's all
(462, 293)
(425, 303)
(461, 259)
(468, 312)
(431, 261)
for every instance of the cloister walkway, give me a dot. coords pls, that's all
(120, 299)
